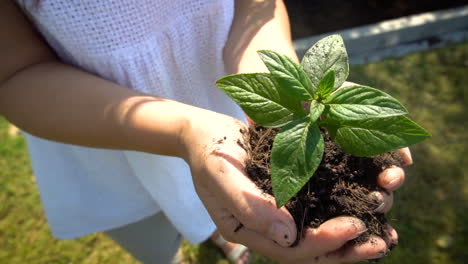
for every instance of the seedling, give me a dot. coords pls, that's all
(362, 120)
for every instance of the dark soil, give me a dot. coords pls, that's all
(341, 185)
(312, 17)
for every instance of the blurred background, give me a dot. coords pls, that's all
(312, 17)
(430, 211)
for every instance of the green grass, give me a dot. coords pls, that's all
(24, 234)
(430, 211)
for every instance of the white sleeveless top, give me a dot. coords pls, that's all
(167, 48)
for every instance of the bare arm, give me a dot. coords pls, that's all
(258, 24)
(52, 100)
(264, 24)
(49, 99)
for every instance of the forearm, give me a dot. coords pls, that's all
(258, 24)
(61, 103)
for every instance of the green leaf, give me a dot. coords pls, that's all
(376, 136)
(289, 75)
(361, 102)
(327, 54)
(296, 154)
(316, 109)
(326, 85)
(257, 95)
(331, 128)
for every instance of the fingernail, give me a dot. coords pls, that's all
(392, 246)
(379, 199)
(392, 183)
(358, 224)
(358, 234)
(281, 234)
(390, 178)
(378, 257)
(407, 159)
(380, 208)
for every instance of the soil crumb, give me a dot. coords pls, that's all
(342, 184)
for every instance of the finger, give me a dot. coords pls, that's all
(257, 211)
(250, 122)
(390, 237)
(383, 200)
(391, 178)
(405, 156)
(329, 236)
(374, 248)
(254, 209)
(263, 245)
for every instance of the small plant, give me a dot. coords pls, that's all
(362, 120)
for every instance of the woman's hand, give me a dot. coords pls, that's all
(216, 151)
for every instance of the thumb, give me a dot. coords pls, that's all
(232, 191)
(258, 212)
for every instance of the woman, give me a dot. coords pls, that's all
(122, 118)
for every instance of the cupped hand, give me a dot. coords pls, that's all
(216, 150)
(391, 179)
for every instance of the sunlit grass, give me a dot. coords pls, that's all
(24, 234)
(430, 211)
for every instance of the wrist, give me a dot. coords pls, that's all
(192, 132)
(155, 125)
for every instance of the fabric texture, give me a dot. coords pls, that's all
(166, 48)
(151, 240)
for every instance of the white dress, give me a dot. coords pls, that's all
(167, 48)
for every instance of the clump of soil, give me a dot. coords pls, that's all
(341, 185)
